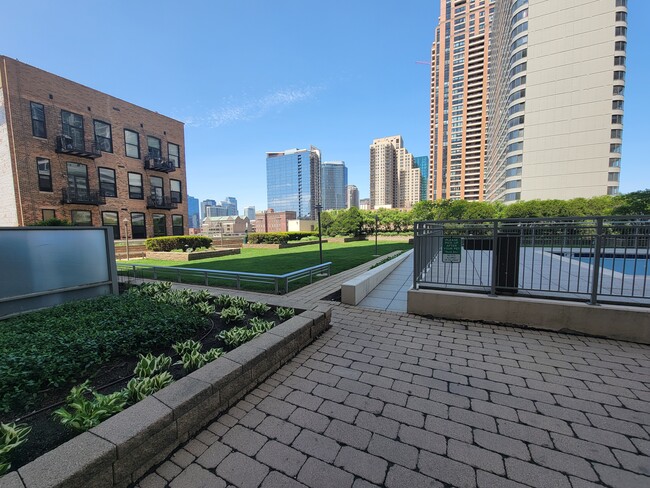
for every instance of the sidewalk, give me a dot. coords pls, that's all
(397, 400)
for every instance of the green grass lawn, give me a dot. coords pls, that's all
(279, 261)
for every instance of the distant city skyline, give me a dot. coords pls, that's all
(269, 91)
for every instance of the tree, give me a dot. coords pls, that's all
(635, 203)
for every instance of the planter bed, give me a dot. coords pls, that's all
(190, 256)
(123, 447)
(284, 245)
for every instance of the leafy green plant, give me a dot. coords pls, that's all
(139, 388)
(259, 308)
(177, 242)
(194, 360)
(232, 314)
(284, 313)
(187, 347)
(260, 325)
(223, 300)
(237, 335)
(11, 436)
(150, 365)
(239, 302)
(205, 308)
(82, 413)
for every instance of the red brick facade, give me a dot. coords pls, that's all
(270, 221)
(23, 84)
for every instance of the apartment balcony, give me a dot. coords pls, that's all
(85, 149)
(164, 203)
(158, 164)
(83, 197)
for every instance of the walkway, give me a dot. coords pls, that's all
(397, 400)
(390, 294)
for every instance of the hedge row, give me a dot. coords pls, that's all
(277, 237)
(177, 242)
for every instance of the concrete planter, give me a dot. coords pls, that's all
(190, 256)
(123, 448)
(358, 288)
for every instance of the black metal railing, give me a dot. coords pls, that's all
(84, 197)
(156, 163)
(85, 149)
(165, 203)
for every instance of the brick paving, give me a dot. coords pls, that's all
(397, 400)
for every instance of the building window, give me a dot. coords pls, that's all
(107, 184)
(621, 16)
(159, 225)
(103, 136)
(175, 191)
(618, 90)
(174, 151)
(620, 45)
(153, 145)
(44, 174)
(111, 219)
(81, 217)
(511, 197)
(619, 60)
(613, 176)
(138, 227)
(157, 190)
(513, 184)
(617, 104)
(615, 148)
(131, 144)
(38, 119)
(48, 214)
(73, 127)
(78, 180)
(617, 133)
(612, 190)
(620, 30)
(177, 225)
(135, 186)
(619, 75)
(621, 3)
(617, 119)
(614, 162)
(513, 172)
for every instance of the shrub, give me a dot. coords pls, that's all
(277, 237)
(84, 413)
(166, 244)
(51, 223)
(11, 436)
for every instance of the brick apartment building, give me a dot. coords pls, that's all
(70, 152)
(270, 221)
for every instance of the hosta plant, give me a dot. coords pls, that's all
(259, 308)
(150, 365)
(194, 360)
(205, 308)
(232, 314)
(11, 436)
(284, 313)
(259, 325)
(82, 413)
(237, 335)
(223, 300)
(139, 388)
(239, 302)
(186, 347)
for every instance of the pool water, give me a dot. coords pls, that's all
(631, 265)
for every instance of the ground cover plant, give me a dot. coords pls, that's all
(112, 352)
(343, 256)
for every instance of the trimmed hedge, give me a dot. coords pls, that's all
(165, 244)
(277, 237)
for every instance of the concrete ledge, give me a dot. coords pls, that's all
(123, 448)
(358, 288)
(610, 321)
(284, 245)
(190, 256)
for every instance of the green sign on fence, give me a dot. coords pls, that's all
(451, 249)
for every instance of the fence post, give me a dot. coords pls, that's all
(286, 285)
(596, 271)
(206, 278)
(155, 274)
(493, 279)
(415, 255)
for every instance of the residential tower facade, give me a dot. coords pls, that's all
(394, 177)
(334, 179)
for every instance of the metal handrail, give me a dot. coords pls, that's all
(237, 277)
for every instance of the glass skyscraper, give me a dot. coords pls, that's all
(334, 178)
(293, 181)
(193, 211)
(422, 162)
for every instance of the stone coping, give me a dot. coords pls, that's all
(190, 256)
(359, 287)
(124, 447)
(284, 245)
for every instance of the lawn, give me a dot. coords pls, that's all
(343, 256)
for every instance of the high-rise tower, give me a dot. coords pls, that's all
(334, 179)
(459, 75)
(394, 177)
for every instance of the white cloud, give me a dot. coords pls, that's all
(252, 108)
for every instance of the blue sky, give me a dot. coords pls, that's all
(251, 76)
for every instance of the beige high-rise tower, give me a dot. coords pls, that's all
(394, 178)
(550, 123)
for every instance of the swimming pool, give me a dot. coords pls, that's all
(629, 264)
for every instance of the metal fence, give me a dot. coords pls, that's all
(596, 259)
(278, 283)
